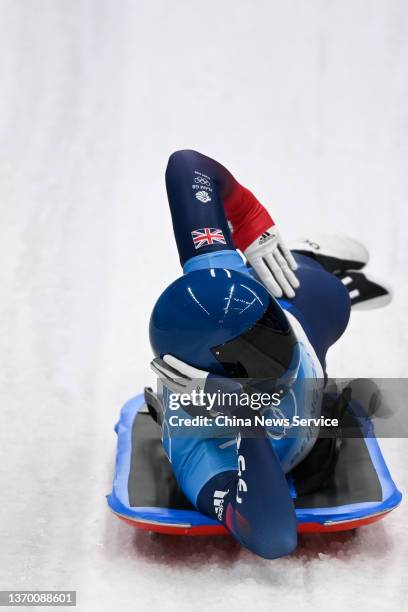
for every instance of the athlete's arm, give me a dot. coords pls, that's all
(202, 195)
(253, 500)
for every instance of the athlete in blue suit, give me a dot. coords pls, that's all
(240, 480)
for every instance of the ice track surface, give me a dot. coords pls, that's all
(306, 103)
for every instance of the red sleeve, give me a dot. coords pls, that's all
(229, 200)
(249, 219)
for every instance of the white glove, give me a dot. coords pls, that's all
(178, 376)
(273, 263)
(182, 378)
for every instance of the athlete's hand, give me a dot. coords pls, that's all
(181, 378)
(178, 376)
(273, 263)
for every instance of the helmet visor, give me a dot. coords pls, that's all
(266, 351)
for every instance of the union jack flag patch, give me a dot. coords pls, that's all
(207, 236)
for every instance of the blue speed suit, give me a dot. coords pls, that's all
(203, 198)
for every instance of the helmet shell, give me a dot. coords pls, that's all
(203, 309)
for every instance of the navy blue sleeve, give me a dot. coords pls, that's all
(202, 195)
(196, 185)
(254, 502)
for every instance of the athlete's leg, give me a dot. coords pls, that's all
(321, 304)
(345, 257)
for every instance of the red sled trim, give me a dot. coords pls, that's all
(218, 530)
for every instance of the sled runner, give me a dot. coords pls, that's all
(342, 484)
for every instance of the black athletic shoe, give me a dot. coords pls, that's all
(365, 293)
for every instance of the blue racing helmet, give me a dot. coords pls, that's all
(224, 322)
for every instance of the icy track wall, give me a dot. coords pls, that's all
(306, 103)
